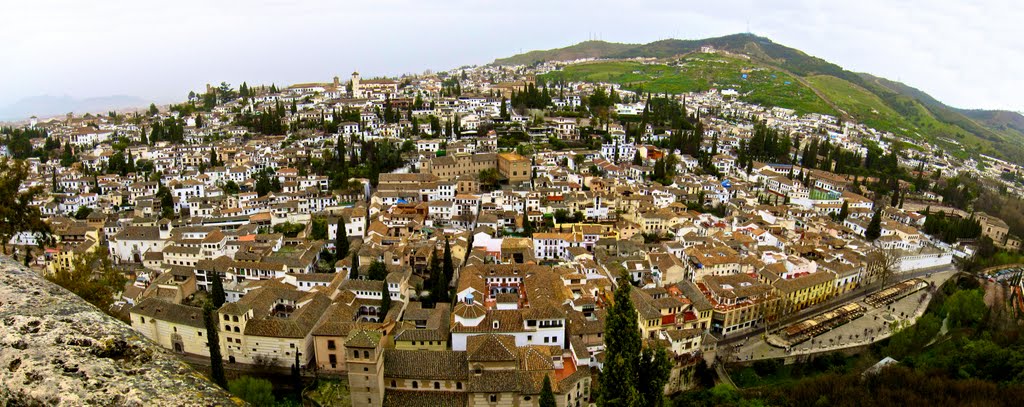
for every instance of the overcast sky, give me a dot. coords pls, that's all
(967, 54)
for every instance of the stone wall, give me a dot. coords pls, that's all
(58, 350)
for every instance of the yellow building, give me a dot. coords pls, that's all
(804, 291)
(451, 166)
(69, 253)
(514, 167)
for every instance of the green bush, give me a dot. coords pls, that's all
(257, 392)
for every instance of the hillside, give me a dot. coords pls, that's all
(586, 49)
(817, 86)
(755, 82)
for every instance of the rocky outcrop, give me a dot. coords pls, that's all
(58, 350)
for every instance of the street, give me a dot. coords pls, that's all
(872, 327)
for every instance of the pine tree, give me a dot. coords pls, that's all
(874, 230)
(637, 160)
(341, 243)
(354, 272)
(213, 342)
(527, 228)
(547, 396)
(378, 271)
(217, 290)
(844, 211)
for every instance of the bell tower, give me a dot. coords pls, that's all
(356, 91)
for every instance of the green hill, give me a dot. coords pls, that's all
(586, 49)
(817, 86)
(757, 83)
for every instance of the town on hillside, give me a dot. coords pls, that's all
(481, 236)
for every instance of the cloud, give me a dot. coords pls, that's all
(965, 54)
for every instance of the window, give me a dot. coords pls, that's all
(415, 384)
(393, 384)
(355, 354)
(366, 354)
(458, 385)
(494, 398)
(330, 345)
(234, 318)
(200, 333)
(226, 318)
(437, 385)
(227, 328)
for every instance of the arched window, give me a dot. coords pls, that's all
(415, 384)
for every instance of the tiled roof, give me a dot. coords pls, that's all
(364, 338)
(429, 365)
(166, 311)
(409, 398)
(491, 348)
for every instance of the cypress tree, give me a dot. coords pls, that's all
(844, 211)
(385, 302)
(354, 272)
(213, 342)
(448, 268)
(547, 396)
(622, 352)
(217, 290)
(297, 376)
(874, 230)
(341, 244)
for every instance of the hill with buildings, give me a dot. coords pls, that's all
(769, 73)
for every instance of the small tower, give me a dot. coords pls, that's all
(336, 82)
(365, 365)
(356, 92)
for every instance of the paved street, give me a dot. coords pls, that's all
(872, 327)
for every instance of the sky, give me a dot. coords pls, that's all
(965, 53)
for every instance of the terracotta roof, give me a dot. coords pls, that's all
(491, 348)
(429, 365)
(410, 398)
(174, 313)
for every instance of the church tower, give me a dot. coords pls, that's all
(356, 92)
(365, 365)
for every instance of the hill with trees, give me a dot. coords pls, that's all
(879, 102)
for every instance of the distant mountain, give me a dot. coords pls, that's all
(906, 109)
(46, 105)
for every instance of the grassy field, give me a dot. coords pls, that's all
(700, 72)
(867, 107)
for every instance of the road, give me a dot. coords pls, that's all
(875, 325)
(855, 295)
